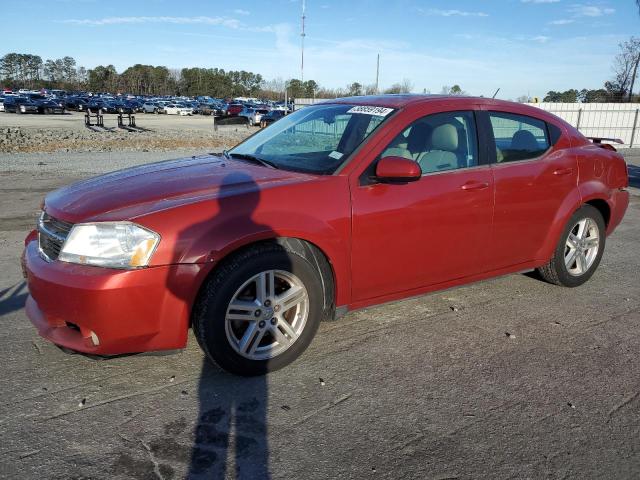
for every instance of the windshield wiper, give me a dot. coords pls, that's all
(254, 159)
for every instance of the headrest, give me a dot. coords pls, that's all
(445, 137)
(418, 137)
(524, 140)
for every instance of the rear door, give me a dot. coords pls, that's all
(412, 235)
(533, 175)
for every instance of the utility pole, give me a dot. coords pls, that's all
(377, 73)
(302, 35)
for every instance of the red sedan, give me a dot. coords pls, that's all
(338, 206)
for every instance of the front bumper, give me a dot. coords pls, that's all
(108, 312)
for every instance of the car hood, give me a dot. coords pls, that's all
(133, 192)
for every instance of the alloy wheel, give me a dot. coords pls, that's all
(267, 314)
(581, 247)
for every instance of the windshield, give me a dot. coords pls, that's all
(315, 139)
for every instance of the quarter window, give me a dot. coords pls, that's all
(439, 142)
(518, 137)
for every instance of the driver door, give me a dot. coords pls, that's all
(437, 229)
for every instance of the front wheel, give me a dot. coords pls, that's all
(579, 251)
(260, 310)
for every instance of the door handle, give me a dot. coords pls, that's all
(563, 171)
(469, 186)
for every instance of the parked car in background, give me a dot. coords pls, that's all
(271, 117)
(51, 106)
(233, 109)
(178, 109)
(210, 109)
(97, 104)
(1, 104)
(134, 105)
(150, 107)
(20, 105)
(75, 103)
(339, 206)
(253, 115)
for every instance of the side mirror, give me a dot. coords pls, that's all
(397, 170)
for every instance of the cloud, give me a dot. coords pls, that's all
(222, 21)
(239, 11)
(452, 13)
(541, 39)
(539, 1)
(581, 10)
(563, 21)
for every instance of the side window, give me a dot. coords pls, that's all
(439, 142)
(518, 137)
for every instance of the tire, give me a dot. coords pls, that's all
(562, 269)
(221, 339)
(47, 111)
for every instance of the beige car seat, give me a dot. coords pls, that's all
(411, 147)
(442, 156)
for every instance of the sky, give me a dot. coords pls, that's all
(523, 47)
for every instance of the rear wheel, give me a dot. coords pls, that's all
(260, 310)
(579, 251)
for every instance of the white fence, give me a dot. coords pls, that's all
(611, 120)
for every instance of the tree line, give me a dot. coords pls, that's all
(30, 71)
(21, 70)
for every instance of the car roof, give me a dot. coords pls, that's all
(403, 100)
(398, 101)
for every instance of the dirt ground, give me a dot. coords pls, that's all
(507, 378)
(32, 133)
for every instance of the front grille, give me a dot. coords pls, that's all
(52, 234)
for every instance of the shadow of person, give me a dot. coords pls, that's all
(230, 436)
(13, 298)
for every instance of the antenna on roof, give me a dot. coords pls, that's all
(494, 95)
(302, 34)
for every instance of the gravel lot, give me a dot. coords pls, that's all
(67, 133)
(508, 378)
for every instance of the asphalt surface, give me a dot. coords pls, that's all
(507, 378)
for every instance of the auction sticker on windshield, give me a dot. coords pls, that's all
(368, 110)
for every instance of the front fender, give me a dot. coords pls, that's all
(208, 231)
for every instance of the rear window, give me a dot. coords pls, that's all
(518, 137)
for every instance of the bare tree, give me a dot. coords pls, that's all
(406, 86)
(625, 70)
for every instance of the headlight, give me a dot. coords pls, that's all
(113, 245)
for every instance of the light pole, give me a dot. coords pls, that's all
(302, 35)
